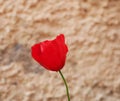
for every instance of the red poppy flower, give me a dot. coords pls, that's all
(51, 54)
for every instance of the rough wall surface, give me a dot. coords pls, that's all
(92, 30)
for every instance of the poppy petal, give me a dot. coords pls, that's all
(51, 54)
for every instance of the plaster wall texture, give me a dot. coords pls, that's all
(92, 31)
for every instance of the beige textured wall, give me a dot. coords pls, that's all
(92, 31)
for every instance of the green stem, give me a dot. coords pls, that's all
(67, 89)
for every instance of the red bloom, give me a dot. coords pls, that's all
(51, 54)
